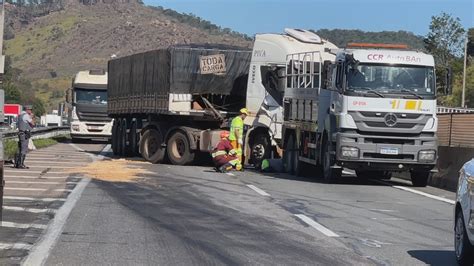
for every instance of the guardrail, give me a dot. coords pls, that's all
(38, 133)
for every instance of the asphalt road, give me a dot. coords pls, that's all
(33, 196)
(193, 216)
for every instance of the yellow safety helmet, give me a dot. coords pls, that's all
(244, 111)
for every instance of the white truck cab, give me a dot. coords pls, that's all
(88, 112)
(266, 85)
(372, 110)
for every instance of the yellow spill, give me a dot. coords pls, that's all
(111, 170)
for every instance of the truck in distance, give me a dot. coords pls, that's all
(372, 110)
(87, 98)
(11, 111)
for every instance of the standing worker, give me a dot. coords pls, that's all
(25, 124)
(237, 132)
(224, 155)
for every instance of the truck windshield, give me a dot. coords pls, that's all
(91, 96)
(410, 81)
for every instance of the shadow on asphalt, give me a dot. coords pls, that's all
(311, 177)
(434, 257)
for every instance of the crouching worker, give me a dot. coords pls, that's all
(224, 156)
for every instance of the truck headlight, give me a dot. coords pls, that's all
(427, 156)
(349, 152)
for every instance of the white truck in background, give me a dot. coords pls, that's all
(88, 117)
(373, 110)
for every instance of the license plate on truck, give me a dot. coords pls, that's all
(389, 151)
(94, 127)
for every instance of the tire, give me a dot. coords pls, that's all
(260, 149)
(179, 150)
(289, 155)
(463, 249)
(114, 138)
(330, 175)
(123, 139)
(133, 140)
(151, 146)
(119, 139)
(420, 179)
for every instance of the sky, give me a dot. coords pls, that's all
(272, 16)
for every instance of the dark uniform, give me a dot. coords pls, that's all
(24, 124)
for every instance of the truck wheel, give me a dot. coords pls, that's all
(119, 139)
(330, 175)
(123, 139)
(114, 138)
(151, 146)
(289, 155)
(260, 149)
(420, 178)
(133, 140)
(462, 247)
(179, 150)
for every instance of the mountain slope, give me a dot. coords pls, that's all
(84, 37)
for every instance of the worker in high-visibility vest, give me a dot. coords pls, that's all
(224, 155)
(237, 132)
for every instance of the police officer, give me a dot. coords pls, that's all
(25, 124)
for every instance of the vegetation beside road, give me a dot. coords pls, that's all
(11, 146)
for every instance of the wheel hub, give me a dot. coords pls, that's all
(459, 237)
(258, 151)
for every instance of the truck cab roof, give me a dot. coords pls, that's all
(273, 48)
(91, 79)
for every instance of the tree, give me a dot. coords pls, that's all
(38, 107)
(445, 42)
(470, 44)
(12, 93)
(445, 39)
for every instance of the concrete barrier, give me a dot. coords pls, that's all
(450, 161)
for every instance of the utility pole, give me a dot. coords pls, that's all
(2, 102)
(463, 99)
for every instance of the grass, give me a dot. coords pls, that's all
(10, 146)
(30, 45)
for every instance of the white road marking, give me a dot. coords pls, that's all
(48, 162)
(259, 191)
(25, 189)
(42, 249)
(8, 246)
(12, 171)
(380, 210)
(40, 177)
(316, 225)
(22, 226)
(421, 193)
(33, 199)
(36, 189)
(389, 219)
(231, 174)
(32, 210)
(41, 183)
